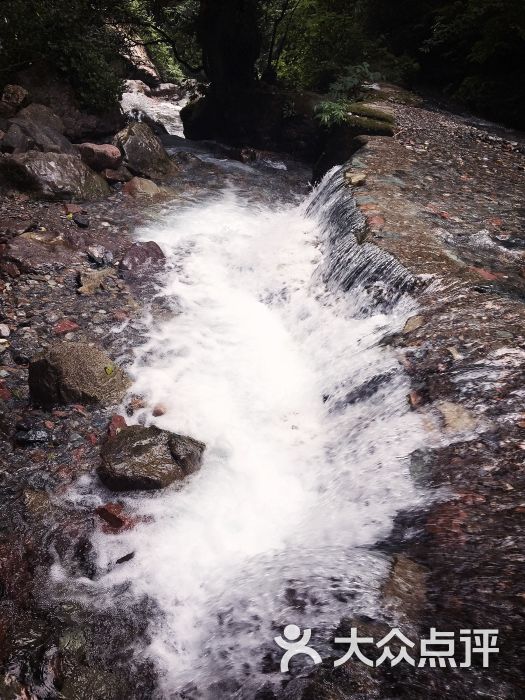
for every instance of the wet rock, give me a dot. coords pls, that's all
(75, 373)
(113, 514)
(93, 684)
(121, 174)
(140, 187)
(81, 220)
(143, 152)
(93, 280)
(26, 135)
(413, 323)
(32, 437)
(142, 257)
(100, 255)
(53, 176)
(24, 345)
(42, 115)
(100, 156)
(116, 424)
(187, 452)
(140, 458)
(456, 417)
(65, 326)
(405, 588)
(355, 179)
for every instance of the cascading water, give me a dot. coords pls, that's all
(274, 362)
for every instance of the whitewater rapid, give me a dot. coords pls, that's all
(308, 433)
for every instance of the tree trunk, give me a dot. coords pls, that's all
(229, 36)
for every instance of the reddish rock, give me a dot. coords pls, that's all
(446, 523)
(100, 156)
(121, 174)
(111, 513)
(121, 315)
(65, 326)
(116, 424)
(159, 410)
(486, 274)
(141, 257)
(115, 518)
(72, 208)
(415, 399)
(92, 438)
(79, 408)
(376, 222)
(9, 268)
(5, 394)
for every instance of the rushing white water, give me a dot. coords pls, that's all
(164, 111)
(305, 464)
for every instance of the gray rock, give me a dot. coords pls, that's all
(75, 373)
(26, 135)
(99, 255)
(40, 114)
(143, 152)
(140, 458)
(55, 176)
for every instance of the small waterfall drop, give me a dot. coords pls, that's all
(275, 362)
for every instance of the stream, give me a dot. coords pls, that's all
(273, 358)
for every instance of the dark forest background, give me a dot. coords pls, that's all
(471, 51)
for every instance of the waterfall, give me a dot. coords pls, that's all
(275, 362)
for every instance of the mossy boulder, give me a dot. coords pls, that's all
(362, 109)
(147, 458)
(341, 141)
(75, 373)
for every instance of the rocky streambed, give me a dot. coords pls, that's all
(80, 296)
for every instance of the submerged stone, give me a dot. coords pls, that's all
(147, 458)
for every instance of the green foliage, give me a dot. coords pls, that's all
(350, 82)
(72, 38)
(169, 69)
(332, 113)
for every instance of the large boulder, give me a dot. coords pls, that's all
(52, 91)
(143, 152)
(75, 373)
(26, 135)
(141, 257)
(140, 458)
(56, 176)
(42, 115)
(100, 156)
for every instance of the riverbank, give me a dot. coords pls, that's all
(444, 198)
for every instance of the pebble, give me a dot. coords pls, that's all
(81, 221)
(5, 331)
